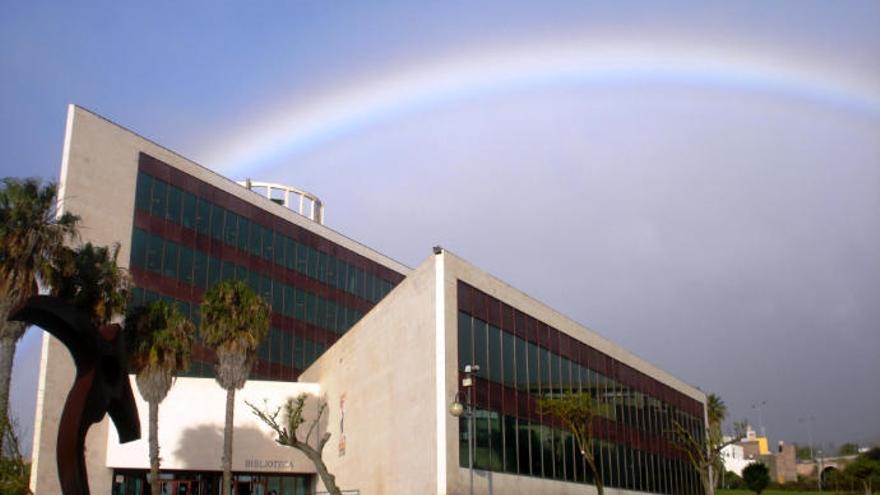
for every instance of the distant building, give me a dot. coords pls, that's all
(782, 463)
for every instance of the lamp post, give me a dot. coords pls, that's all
(457, 409)
(809, 422)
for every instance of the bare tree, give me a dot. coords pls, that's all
(288, 434)
(704, 451)
(576, 411)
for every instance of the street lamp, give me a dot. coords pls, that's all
(809, 422)
(457, 409)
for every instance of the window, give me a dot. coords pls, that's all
(214, 271)
(188, 216)
(244, 232)
(154, 253)
(217, 222)
(256, 239)
(158, 198)
(200, 268)
(230, 229)
(169, 264)
(142, 192)
(480, 347)
(172, 212)
(494, 354)
(138, 247)
(268, 239)
(203, 216)
(186, 265)
(279, 249)
(510, 448)
(464, 340)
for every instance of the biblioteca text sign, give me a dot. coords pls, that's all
(268, 464)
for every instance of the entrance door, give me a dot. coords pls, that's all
(180, 487)
(249, 485)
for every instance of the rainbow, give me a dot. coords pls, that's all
(302, 125)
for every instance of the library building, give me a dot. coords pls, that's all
(390, 348)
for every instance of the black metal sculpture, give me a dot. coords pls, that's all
(101, 385)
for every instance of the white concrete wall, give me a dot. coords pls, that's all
(486, 483)
(384, 367)
(191, 422)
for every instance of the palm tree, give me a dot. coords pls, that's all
(716, 410)
(159, 340)
(89, 278)
(234, 322)
(32, 234)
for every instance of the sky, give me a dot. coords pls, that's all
(697, 181)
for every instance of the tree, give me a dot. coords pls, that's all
(89, 278)
(32, 235)
(804, 453)
(576, 411)
(288, 434)
(756, 477)
(14, 469)
(716, 413)
(159, 341)
(704, 451)
(234, 322)
(848, 448)
(865, 469)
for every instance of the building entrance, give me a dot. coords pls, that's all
(134, 482)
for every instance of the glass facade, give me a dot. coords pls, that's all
(188, 235)
(522, 359)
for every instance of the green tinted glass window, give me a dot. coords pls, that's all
(266, 288)
(310, 307)
(228, 272)
(480, 347)
(290, 254)
(203, 216)
(275, 346)
(200, 269)
(230, 229)
(298, 352)
(154, 253)
(277, 298)
(158, 198)
(289, 302)
(522, 377)
(244, 233)
(217, 222)
(169, 264)
(188, 213)
(138, 247)
(313, 263)
(494, 354)
(142, 191)
(268, 246)
(464, 340)
(302, 258)
(172, 212)
(279, 249)
(300, 305)
(510, 450)
(214, 271)
(256, 239)
(241, 273)
(507, 356)
(186, 265)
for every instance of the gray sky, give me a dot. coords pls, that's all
(698, 182)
